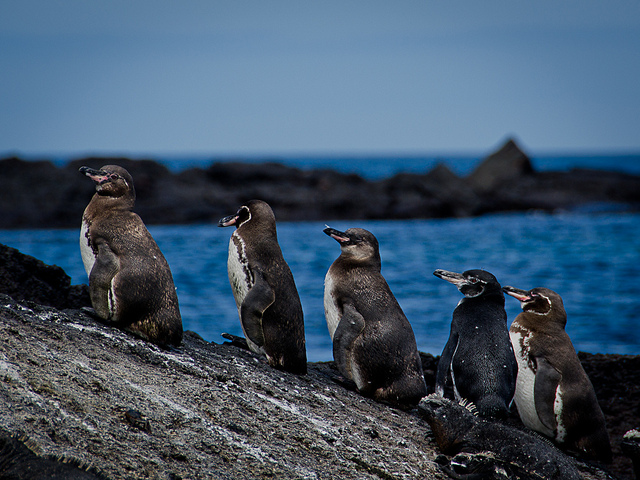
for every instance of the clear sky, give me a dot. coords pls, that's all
(208, 77)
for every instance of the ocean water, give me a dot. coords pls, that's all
(590, 259)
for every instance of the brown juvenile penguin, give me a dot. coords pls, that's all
(373, 342)
(554, 395)
(130, 281)
(264, 289)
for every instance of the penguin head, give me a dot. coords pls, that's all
(253, 212)
(539, 301)
(472, 283)
(356, 244)
(111, 181)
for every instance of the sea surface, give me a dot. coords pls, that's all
(590, 259)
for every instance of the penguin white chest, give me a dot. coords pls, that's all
(331, 310)
(86, 250)
(525, 383)
(238, 269)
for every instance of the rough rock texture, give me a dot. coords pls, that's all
(94, 395)
(85, 391)
(206, 411)
(37, 194)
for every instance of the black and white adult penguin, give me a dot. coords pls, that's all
(554, 395)
(130, 281)
(478, 357)
(263, 287)
(373, 342)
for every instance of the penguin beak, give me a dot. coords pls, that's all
(337, 235)
(97, 176)
(518, 294)
(456, 278)
(228, 221)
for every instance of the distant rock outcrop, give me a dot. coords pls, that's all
(37, 194)
(508, 164)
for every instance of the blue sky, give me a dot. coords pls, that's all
(329, 77)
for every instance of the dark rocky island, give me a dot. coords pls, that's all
(77, 392)
(37, 194)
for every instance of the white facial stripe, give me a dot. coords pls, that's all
(548, 300)
(249, 217)
(522, 305)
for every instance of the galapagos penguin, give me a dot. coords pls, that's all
(478, 357)
(554, 395)
(130, 282)
(264, 289)
(373, 342)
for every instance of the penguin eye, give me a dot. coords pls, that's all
(473, 280)
(114, 176)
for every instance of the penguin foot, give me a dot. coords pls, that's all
(236, 341)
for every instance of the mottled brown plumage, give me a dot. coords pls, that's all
(130, 281)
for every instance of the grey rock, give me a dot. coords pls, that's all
(92, 395)
(128, 409)
(504, 165)
(26, 278)
(201, 411)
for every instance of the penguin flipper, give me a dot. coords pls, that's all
(101, 282)
(258, 299)
(350, 327)
(544, 393)
(444, 364)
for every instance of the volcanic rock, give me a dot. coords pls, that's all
(96, 396)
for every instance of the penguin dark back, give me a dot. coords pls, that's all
(478, 359)
(263, 287)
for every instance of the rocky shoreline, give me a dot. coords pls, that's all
(81, 390)
(37, 194)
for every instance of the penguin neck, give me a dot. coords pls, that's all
(491, 296)
(538, 322)
(260, 233)
(102, 203)
(350, 261)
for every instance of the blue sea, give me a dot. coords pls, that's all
(589, 257)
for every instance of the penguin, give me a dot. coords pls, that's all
(554, 395)
(478, 357)
(130, 282)
(264, 289)
(373, 342)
